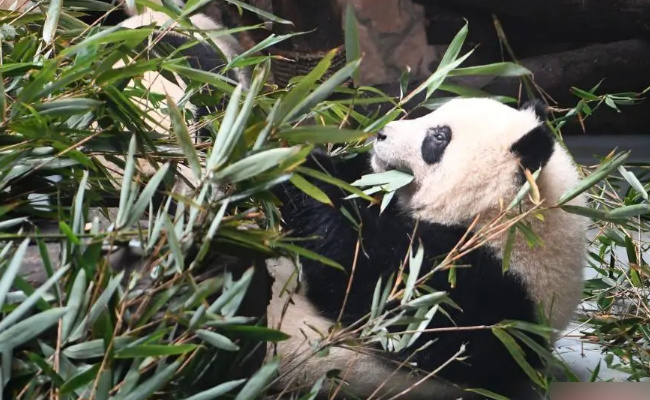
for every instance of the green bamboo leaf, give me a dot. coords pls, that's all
(256, 332)
(525, 188)
(374, 307)
(352, 46)
(601, 172)
(217, 391)
(309, 189)
(77, 217)
(455, 46)
(448, 63)
(11, 271)
(229, 295)
(99, 306)
(269, 41)
(389, 180)
(517, 354)
(415, 263)
(3, 99)
(109, 35)
(593, 213)
(322, 134)
(125, 192)
(333, 181)
(221, 148)
(487, 394)
(73, 304)
(258, 382)
(497, 69)
(65, 107)
(427, 300)
(252, 166)
(145, 197)
(154, 350)
(29, 302)
(95, 348)
(633, 181)
(629, 211)
(307, 253)
(232, 137)
(323, 91)
(151, 385)
(29, 328)
(184, 140)
(79, 380)
(216, 340)
(261, 13)
(299, 92)
(174, 245)
(220, 82)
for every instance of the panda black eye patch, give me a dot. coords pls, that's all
(434, 144)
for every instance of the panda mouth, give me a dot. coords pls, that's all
(379, 163)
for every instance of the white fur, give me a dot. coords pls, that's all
(453, 191)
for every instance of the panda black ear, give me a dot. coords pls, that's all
(535, 148)
(538, 106)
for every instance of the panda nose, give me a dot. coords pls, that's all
(381, 136)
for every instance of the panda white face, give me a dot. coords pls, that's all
(464, 157)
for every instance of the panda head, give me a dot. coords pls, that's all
(467, 157)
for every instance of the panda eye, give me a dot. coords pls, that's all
(440, 134)
(439, 137)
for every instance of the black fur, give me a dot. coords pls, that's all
(435, 143)
(536, 147)
(486, 295)
(538, 106)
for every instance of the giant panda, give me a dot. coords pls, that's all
(468, 159)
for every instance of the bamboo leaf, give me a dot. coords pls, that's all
(258, 382)
(184, 140)
(145, 197)
(253, 165)
(222, 146)
(154, 350)
(323, 90)
(504, 69)
(309, 254)
(125, 192)
(217, 391)
(27, 304)
(415, 263)
(309, 189)
(518, 354)
(26, 330)
(151, 385)
(11, 271)
(291, 101)
(217, 340)
(601, 172)
(333, 181)
(261, 13)
(321, 134)
(73, 304)
(633, 181)
(352, 46)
